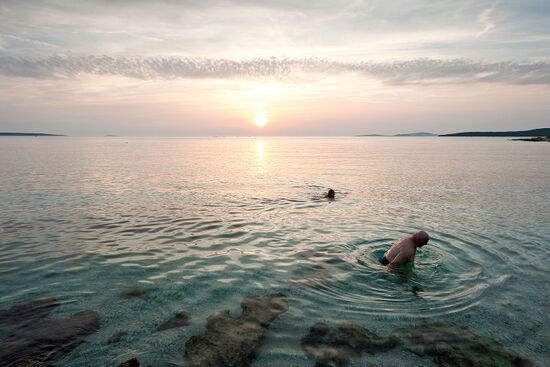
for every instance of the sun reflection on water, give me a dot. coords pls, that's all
(260, 158)
(260, 150)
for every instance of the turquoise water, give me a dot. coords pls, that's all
(203, 222)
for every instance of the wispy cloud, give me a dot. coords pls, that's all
(418, 71)
(485, 20)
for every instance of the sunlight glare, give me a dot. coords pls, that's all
(260, 150)
(260, 119)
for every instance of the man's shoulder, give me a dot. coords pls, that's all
(404, 242)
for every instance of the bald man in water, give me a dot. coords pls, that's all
(404, 250)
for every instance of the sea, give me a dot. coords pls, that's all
(201, 223)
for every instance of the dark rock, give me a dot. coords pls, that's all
(115, 338)
(337, 343)
(134, 292)
(181, 319)
(233, 341)
(131, 363)
(47, 340)
(27, 312)
(453, 345)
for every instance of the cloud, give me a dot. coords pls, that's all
(485, 20)
(418, 71)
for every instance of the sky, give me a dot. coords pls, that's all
(267, 67)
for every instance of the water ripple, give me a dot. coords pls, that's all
(202, 233)
(449, 275)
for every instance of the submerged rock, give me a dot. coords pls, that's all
(320, 265)
(233, 341)
(47, 340)
(134, 292)
(319, 278)
(181, 319)
(451, 345)
(337, 343)
(32, 364)
(131, 363)
(27, 312)
(115, 338)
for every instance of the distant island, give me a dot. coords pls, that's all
(524, 133)
(28, 134)
(417, 134)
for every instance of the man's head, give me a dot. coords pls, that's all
(420, 238)
(331, 193)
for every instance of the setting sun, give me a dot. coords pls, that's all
(260, 119)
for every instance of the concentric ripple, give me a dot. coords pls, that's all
(450, 274)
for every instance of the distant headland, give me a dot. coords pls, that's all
(28, 134)
(543, 132)
(538, 138)
(524, 133)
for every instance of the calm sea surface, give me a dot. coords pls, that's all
(203, 222)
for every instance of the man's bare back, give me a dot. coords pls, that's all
(404, 250)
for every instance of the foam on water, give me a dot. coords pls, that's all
(202, 223)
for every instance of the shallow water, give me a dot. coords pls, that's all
(203, 222)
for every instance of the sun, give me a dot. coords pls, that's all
(260, 119)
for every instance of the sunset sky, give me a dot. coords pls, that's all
(193, 68)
